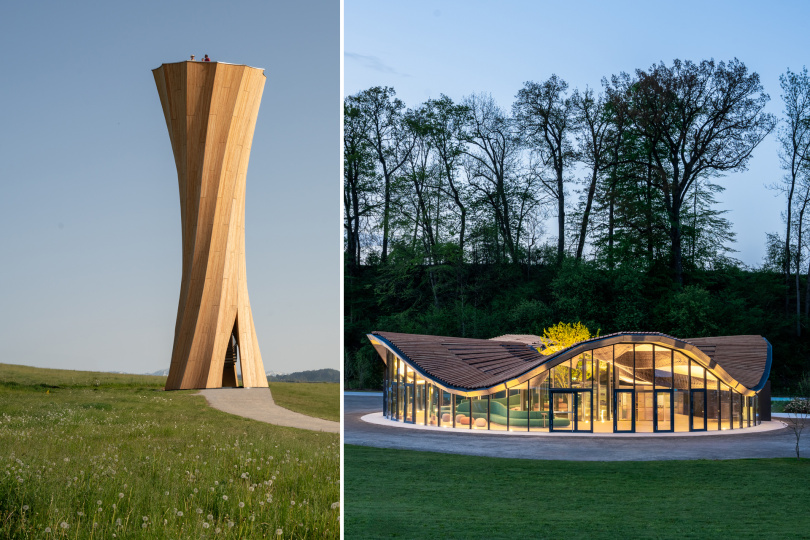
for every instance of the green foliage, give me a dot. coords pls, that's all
(485, 301)
(127, 459)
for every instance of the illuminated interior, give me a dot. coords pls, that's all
(618, 388)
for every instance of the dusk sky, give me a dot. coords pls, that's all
(423, 49)
(90, 214)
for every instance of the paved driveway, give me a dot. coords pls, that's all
(777, 443)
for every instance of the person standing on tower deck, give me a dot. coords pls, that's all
(192, 57)
(206, 59)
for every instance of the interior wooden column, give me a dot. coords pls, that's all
(210, 110)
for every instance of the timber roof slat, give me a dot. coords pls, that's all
(471, 364)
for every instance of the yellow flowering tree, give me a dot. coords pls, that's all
(563, 335)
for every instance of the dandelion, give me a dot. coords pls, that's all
(66, 460)
(25, 508)
(218, 530)
(47, 529)
(114, 506)
(143, 525)
(120, 495)
(279, 532)
(98, 503)
(335, 505)
(224, 497)
(118, 522)
(292, 503)
(205, 525)
(212, 489)
(180, 513)
(167, 493)
(64, 524)
(99, 509)
(146, 518)
(230, 524)
(241, 504)
(80, 513)
(210, 517)
(199, 510)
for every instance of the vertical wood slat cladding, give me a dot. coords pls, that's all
(210, 110)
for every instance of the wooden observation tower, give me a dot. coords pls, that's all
(210, 110)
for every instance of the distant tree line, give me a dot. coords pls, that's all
(314, 375)
(445, 206)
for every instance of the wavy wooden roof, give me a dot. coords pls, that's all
(475, 364)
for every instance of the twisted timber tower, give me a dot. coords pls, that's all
(210, 110)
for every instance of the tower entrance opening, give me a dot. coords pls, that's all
(229, 369)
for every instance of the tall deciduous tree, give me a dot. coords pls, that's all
(493, 147)
(388, 136)
(594, 145)
(358, 181)
(697, 120)
(546, 117)
(794, 140)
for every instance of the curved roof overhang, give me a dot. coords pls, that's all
(381, 344)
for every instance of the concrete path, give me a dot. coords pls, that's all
(777, 443)
(258, 404)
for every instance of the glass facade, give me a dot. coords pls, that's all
(626, 387)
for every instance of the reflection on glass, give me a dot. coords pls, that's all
(680, 406)
(584, 411)
(480, 411)
(698, 410)
(421, 399)
(644, 411)
(603, 394)
(712, 402)
(645, 372)
(538, 397)
(624, 410)
(680, 371)
(518, 408)
(497, 411)
(562, 411)
(433, 405)
(663, 410)
(698, 375)
(736, 412)
(446, 411)
(663, 367)
(561, 375)
(462, 412)
(623, 366)
(725, 407)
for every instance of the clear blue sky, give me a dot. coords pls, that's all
(90, 214)
(424, 48)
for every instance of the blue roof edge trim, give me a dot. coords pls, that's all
(766, 373)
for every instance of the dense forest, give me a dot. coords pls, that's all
(447, 205)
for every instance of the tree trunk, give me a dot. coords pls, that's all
(586, 214)
(560, 216)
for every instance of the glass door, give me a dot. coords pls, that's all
(624, 420)
(697, 407)
(663, 419)
(572, 410)
(562, 410)
(409, 399)
(584, 408)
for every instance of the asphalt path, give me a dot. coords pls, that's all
(776, 443)
(258, 404)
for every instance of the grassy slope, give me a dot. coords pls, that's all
(71, 439)
(410, 494)
(314, 399)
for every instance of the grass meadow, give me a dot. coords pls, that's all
(409, 494)
(313, 399)
(99, 455)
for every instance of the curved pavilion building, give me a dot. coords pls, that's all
(628, 382)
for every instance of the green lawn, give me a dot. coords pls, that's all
(407, 494)
(313, 399)
(86, 455)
